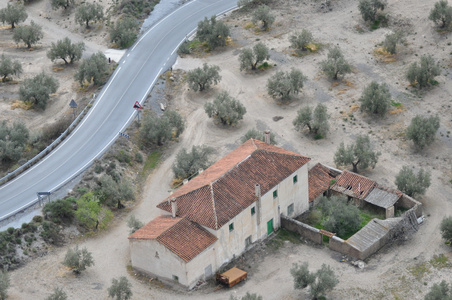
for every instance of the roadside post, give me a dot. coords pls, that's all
(137, 106)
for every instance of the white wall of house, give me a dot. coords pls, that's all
(245, 225)
(151, 257)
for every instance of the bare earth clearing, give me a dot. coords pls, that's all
(387, 274)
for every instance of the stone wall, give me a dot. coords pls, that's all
(304, 230)
(409, 203)
(341, 246)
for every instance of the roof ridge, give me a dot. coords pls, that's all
(213, 206)
(180, 219)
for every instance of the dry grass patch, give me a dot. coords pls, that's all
(57, 69)
(21, 104)
(384, 55)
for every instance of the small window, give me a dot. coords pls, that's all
(295, 179)
(231, 227)
(290, 209)
(175, 278)
(248, 241)
(253, 210)
(275, 194)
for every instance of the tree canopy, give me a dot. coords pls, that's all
(201, 79)
(320, 282)
(369, 8)
(376, 98)
(258, 135)
(78, 259)
(422, 130)
(56, 4)
(157, 130)
(37, 90)
(252, 57)
(423, 74)
(13, 140)
(358, 154)
(93, 69)
(89, 12)
(441, 14)
(67, 51)
(446, 229)
(335, 64)
(124, 32)
(283, 84)
(9, 67)
(120, 289)
(226, 109)
(316, 122)
(300, 40)
(13, 14)
(213, 32)
(29, 34)
(187, 164)
(263, 15)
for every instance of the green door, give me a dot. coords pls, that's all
(270, 227)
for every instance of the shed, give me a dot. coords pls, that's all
(232, 277)
(383, 199)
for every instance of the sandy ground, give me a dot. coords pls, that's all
(387, 274)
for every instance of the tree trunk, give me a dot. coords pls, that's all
(4, 78)
(65, 61)
(355, 166)
(12, 25)
(28, 45)
(87, 23)
(253, 66)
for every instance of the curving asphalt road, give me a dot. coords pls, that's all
(112, 111)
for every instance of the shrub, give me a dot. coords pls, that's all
(187, 164)
(391, 41)
(282, 84)
(134, 224)
(335, 64)
(376, 98)
(446, 229)
(78, 259)
(120, 289)
(59, 211)
(422, 130)
(442, 291)
(124, 32)
(226, 109)
(4, 284)
(423, 74)
(413, 184)
(58, 294)
(369, 8)
(37, 90)
(50, 233)
(320, 282)
(214, 33)
(202, 78)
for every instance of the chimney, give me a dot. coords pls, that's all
(173, 207)
(200, 170)
(185, 181)
(257, 192)
(267, 136)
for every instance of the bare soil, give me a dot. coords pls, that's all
(399, 271)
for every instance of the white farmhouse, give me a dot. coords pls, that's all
(219, 213)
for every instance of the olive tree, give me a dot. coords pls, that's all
(4, 284)
(66, 50)
(422, 130)
(187, 164)
(29, 34)
(120, 289)
(358, 154)
(134, 224)
(251, 57)
(320, 282)
(317, 121)
(423, 74)
(12, 141)
(93, 69)
(335, 64)
(391, 41)
(263, 15)
(343, 218)
(225, 108)
(37, 90)
(59, 211)
(446, 229)
(58, 294)
(157, 130)
(300, 40)
(56, 4)
(201, 79)
(9, 67)
(91, 214)
(369, 8)
(441, 14)
(441, 291)
(78, 259)
(124, 32)
(89, 12)
(112, 192)
(13, 14)
(257, 135)
(376, 98)
(283, 84)
(212, 32)
(413, 184)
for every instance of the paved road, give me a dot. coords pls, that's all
(112, 111)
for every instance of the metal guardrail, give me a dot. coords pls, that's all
(50, 147)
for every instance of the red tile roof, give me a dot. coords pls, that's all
(226, 188)
(182, 237)
(353, 185)
(319, 178)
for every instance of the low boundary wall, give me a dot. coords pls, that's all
(306, 231)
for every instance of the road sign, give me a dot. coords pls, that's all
(137, 105)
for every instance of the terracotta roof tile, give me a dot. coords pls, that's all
(319, 178)
(353, 185)
(182, 237)
(226, 188)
